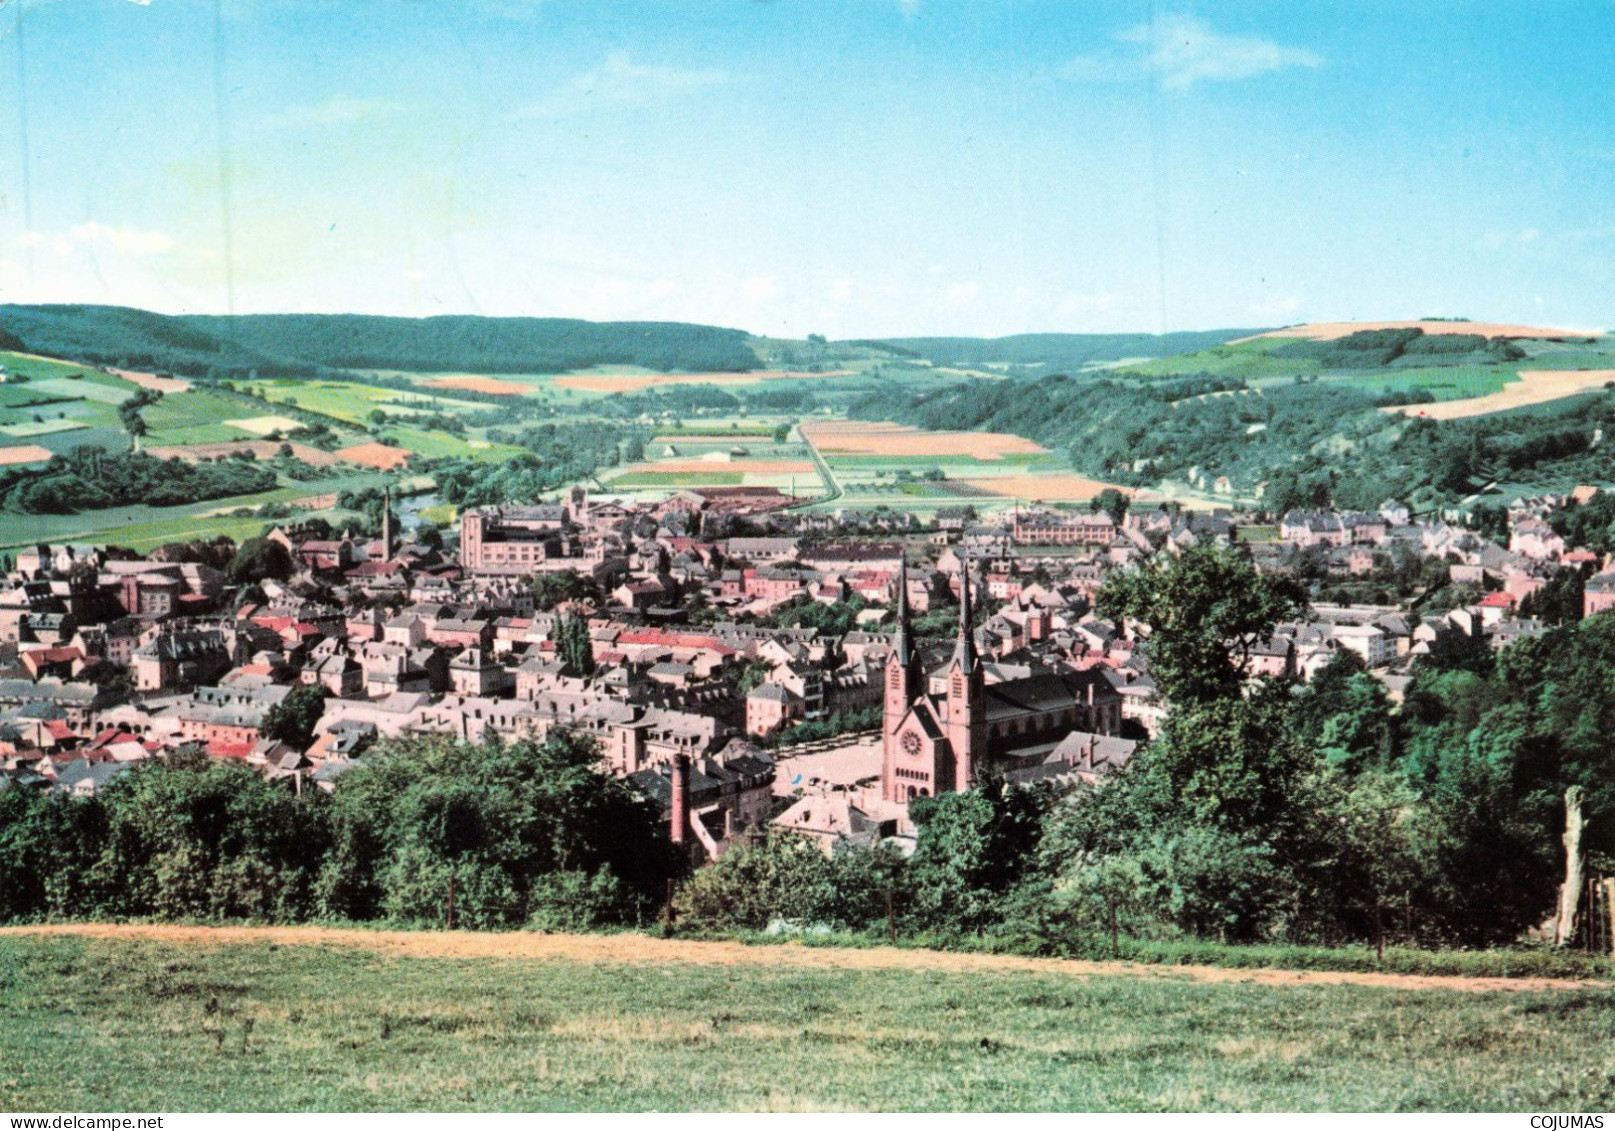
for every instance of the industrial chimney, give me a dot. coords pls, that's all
(681, 798)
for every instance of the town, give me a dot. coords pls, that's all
(739, 665)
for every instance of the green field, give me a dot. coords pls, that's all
(34, 368)
(145, 528)
(353, 403)
(1444, 382)
(441, 445)
(140, 1025)
(26, 428)
(198, 417)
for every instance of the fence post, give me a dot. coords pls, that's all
(1609, 908)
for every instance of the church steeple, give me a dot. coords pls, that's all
(903, 644)
(964, 652)
(966, 718)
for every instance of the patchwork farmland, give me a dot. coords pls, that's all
(784, 425)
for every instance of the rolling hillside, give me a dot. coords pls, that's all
(300, 344)
(1308, 417)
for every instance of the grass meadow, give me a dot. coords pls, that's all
(143, 1024)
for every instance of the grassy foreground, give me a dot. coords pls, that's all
(141, 1024)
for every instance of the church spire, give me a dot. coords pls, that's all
(903, 645)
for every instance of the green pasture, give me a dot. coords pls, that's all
(145, 528)
(48, 367)
(353, 403)
(432, 444)
(138, 1025)
(1445, 383)
(40, 428)
(198, 417)
(444, 514)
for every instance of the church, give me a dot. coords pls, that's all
(948, 730)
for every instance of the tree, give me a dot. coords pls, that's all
(1379, 825)
(552, 589)
(1203, 611)
(1106, 890)
(1490, 520)
(970, 851)
(129, 414)
(430, 535)
(1112, 502)
(768, 876)
(195, 837)
(782, 433)
(293, 719)
(573, 647)
(514, 829)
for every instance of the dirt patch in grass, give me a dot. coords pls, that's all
(261, 449)
(1535, 386)
(379, 456)
(263, 425)
(23, 453)
(152, 381)
(882, 439)
(1328, 331)
(632, 948)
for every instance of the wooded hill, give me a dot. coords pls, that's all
(301, 344)
(1055, 352)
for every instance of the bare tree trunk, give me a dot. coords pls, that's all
(1570, 890)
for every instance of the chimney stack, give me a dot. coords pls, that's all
(387, 524)
(681, 798)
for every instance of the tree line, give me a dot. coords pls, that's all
(91, 479)
(1265, 811)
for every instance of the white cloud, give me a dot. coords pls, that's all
(338, 110)
(620, 81)
(1180, 50)
(909, 8)
(961, 294)
(97, 236)
(839, 292)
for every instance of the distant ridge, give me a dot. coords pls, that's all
(300, 344)
(1050, 352)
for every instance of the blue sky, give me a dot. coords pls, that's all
(866, 168)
